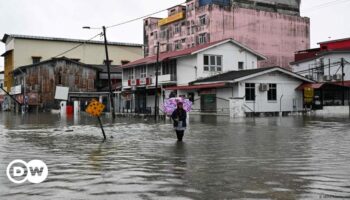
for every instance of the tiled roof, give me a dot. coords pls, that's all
(185, 52)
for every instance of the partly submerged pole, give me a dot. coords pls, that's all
(103, 131)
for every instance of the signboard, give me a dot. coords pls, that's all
(145, 81)
(95, 108)
(172, 18)
(62, 93)
(309, 94)
(16, 90)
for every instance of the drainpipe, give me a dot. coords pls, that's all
(281, 105)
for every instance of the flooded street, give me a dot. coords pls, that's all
(261, 158)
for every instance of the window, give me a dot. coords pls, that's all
(202, 20)
(177, 44)
(177, 28)
(212, 63)
(183, 40)
(240, 65)
(129, 73)
(250, 91)
(155, 34)
(272, 93)
(202, 38)
(143, 72)
(36, 59)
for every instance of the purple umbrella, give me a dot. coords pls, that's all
(171, 104)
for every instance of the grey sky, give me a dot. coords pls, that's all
(64, 18)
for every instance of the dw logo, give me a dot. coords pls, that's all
(34, 171)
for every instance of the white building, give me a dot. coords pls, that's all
(180, 68)
(202, 63)
(262, 90)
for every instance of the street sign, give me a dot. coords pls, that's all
(62, 93)
(95, 108)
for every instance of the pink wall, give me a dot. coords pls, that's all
(277, 36)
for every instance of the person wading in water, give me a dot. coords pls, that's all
(179, 116)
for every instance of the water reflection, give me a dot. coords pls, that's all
(221, 158)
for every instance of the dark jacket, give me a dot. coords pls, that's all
(181, 115)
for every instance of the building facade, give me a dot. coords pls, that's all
(179, 68)
(37, 82)
(272, 28)
(2, 93)
(326, 63)
(24, 50)
(254, 91)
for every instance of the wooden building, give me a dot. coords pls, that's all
(39, 81)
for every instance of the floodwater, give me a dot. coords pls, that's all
(261, 158)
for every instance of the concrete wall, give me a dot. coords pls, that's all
(231, 55)
(292, 100)
(333, 111)
(273, 34)
(24, 49)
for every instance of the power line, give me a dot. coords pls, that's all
(77, 46)
(324, 5)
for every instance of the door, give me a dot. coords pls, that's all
(208, 102)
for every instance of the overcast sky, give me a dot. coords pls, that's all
(64, 18)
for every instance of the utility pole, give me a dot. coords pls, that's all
(109, 74)
(342, 80)
(156, 90)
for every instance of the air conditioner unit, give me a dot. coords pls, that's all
(263, 87)
(327, 78)
(337, 77)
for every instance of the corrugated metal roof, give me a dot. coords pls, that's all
(67, 40)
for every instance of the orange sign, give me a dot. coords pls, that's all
(309, 92)
(172, 18)
(95, 108)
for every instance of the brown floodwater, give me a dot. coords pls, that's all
(262, 158)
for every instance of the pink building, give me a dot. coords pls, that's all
(273, 28)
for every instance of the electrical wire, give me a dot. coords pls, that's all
(324, 5)
(77, 46)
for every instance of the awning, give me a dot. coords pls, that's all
(320, 85)
(310, 85)
(193, 87)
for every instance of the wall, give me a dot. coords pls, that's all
(186, 71)
(286, 86)
(275, 35)
(88, 53)
(43, 79)
(231, 55)
(336, 45)
(333, 111)
(8, 70)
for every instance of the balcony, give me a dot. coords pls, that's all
(165, 79)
